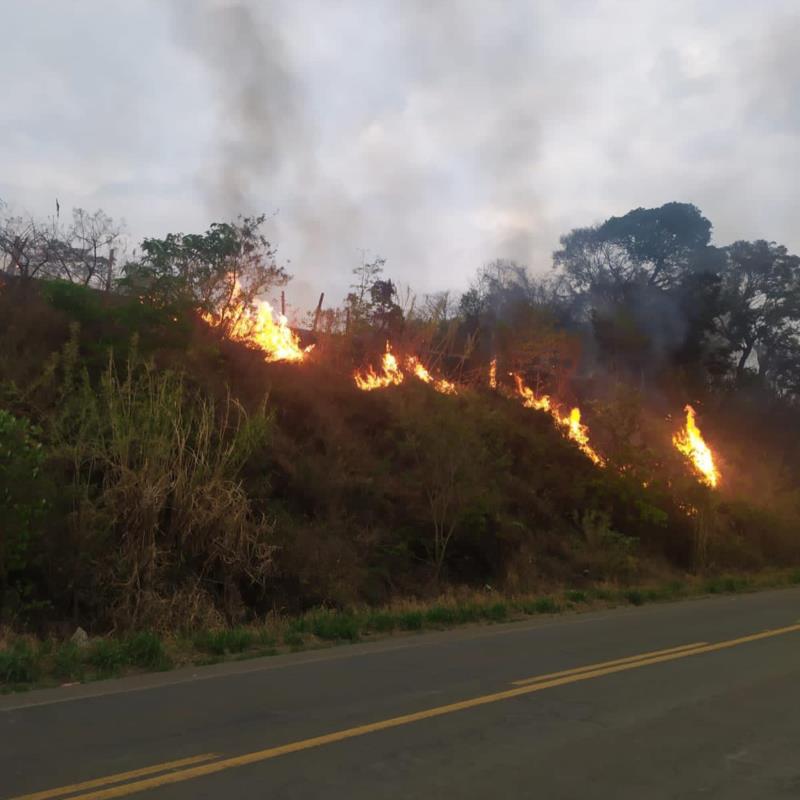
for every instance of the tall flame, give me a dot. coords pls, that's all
(439, 384)
(258, 329)
(390, 375)
(571, 424)
(690, 442)
(493, 374)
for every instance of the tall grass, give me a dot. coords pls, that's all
(158, 510)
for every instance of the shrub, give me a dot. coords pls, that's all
(68, 662)
(410, 620)
(18, 664)
(107, 656)
(145, 649)
(332, 625)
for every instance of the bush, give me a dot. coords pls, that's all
(107, 656)
(332, 625)
(411, 621)
(68, 662)
(23, 496)
(18, 664)
(145, 649)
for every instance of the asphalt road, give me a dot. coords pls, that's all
(692, 699)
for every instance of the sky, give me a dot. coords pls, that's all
(437, 134)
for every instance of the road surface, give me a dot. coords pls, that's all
(692, 699)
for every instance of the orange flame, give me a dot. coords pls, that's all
(690, 442)
(529, 399)
(571, 424)
(258, 329)
(439, 384)
(391, 374)
(493, 374)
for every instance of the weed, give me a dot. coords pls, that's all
(68, 662)
(293, 640)
(441, 616)
(410, 621)
(381, 622)
(218, 643)
(576, 596)
(634, 596)
(145, 649)
(496, 612)
(332, 626)
(545, 605)
(107, 656)
(18, 664)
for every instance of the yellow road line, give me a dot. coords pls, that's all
(118, 778)
(592, 667)
(406, 719)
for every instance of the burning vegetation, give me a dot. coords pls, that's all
(294, 487)
(689, 441)
(256, 326)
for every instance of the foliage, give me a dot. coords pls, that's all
(24, 493)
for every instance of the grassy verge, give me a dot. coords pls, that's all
(27, 662)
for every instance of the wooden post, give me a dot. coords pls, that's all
(110, 273)
(283, 304)
(318, 311)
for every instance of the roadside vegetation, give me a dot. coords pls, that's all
(170, 492)
(27, 661)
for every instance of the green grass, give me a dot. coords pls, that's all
(106, 657)
(220, 642)
(146, 650)
(24, 663)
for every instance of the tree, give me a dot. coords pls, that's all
(81, 252)
(759, 319)
(84, 251)
(644, 283)
(24, 246)
(231, 263)
(647, 246)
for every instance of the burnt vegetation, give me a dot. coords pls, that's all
(155, 474)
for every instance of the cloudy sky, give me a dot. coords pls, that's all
(436, 133)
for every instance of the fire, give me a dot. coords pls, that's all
(439, 384)
(690, 442)
(571, 424)
(579, 434)
(493, 374)
(529, 399)
(391, 374)
(258, 329)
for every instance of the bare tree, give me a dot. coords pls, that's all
(81, 252)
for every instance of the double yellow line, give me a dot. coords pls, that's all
(188, 769)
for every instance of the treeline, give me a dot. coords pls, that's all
(155, 474)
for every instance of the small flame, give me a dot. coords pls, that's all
(390, 374)
(529, 399)
(493, 374)
(571, 423)
(439, 384)
(258, 329)
(690, 442)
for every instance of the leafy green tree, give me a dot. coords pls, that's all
(230, 263)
